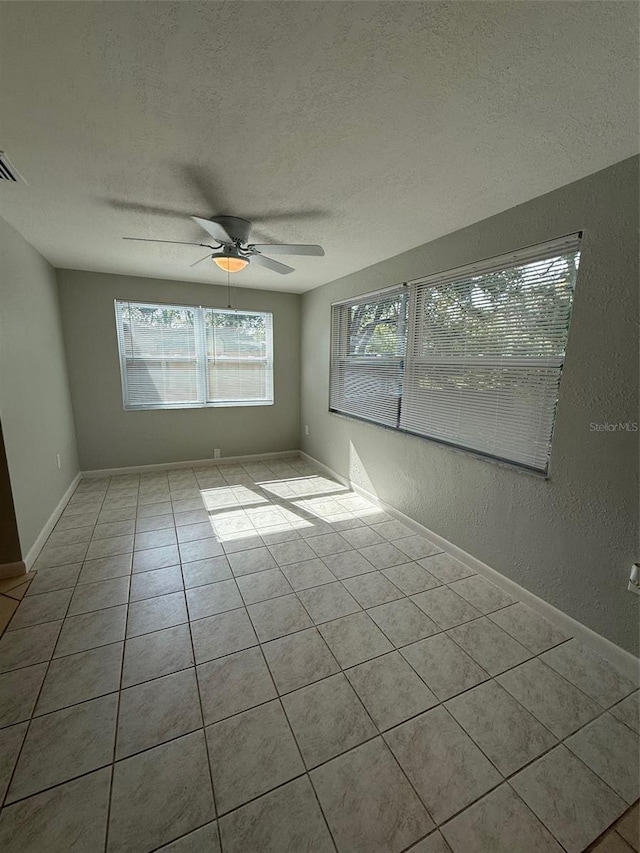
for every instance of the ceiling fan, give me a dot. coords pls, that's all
(233, 252)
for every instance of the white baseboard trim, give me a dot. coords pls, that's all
(193, 463)
(12, 570)
(37, 546)
(619, 657)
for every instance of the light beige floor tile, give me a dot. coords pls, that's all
(392, 530)
(559, 706)
(361, 537)
(629, 827)
(329, 601)
(200, 549)
(156, 539)
(105, 568)
(442, 762)
(125, 513)
(348, 564)
(18, 693)
(223, 634)
(384, 556)
(446, 568)
(160, 795)
(153, 614)
(489, 645)
(146, 524)
(372, 589)
(299, 659)
(89, 597)
(154, 583)
(213, 598)
(445, 668)
(204, 572)
(157, 654)
(354, 639)
(329, 543)
(411, 578)
(417, 547)
(198, 841)
(628, 711)
(291, 552)
(90, 630)
(36, 609)
(528, 627)
(278, 617)
(65, 744)
(70, 537)
(261, 586)
(111, 547)
(611, 842)
(308, 573)
(569, 799)
(612, 751)
(157, 558)
(11, 739)
(403, 622)
(191, 532)
(157, 711)
(114, 528)
(28, 646)
(499, 823)
(69, 521)
(70, 818)
(390, 690)
(250, 754)
(76, 678)
(501, 727)
(234, 683)
(368, 802)
(484, 595)
(445, 607)
(59, 577)
(61, 555)
(594, 675)
(8, 607)
(288, 818)
(155, 510)
(327, 718)
(434, 843)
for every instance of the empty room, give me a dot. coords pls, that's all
(319, 413)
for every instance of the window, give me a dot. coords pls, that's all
(174, 356)
(484, 348)
(368, 344)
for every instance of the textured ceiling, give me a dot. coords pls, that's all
(367, 127)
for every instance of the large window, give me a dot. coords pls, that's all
(175, 356)
(471, 358)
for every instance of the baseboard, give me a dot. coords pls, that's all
(619, 657)
(12, 570)
(193, 463)
(37, 546)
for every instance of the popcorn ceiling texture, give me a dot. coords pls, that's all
(570, 539)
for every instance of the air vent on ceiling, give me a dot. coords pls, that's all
(8, 171)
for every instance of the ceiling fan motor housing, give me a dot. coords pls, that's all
(238, 229)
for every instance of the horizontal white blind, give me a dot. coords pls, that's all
(239, 357)
(368, 337)
(174, 356)
(485, 352)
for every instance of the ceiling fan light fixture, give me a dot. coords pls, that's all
(230, 264)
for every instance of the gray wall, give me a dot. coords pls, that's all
(570, 539)
(35, 405)
(109, 437)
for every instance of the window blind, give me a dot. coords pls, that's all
(174, 356)
(368, 337)
(485, 351)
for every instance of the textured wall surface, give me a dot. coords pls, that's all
(109, 437)
(569, 539)
(35, 405)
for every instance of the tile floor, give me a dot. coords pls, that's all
(252, 659)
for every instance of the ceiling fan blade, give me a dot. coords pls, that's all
(177, 242)
(195, 263)
(270, 264)
(285, 249)
(215, 229)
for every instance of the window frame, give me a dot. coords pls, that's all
(521, 257)
(202, 358)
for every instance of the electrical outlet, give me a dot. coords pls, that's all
(306, 429)
(634, 579)
(58, 462)
(216, 453)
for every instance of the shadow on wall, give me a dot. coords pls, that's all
(10, 550)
